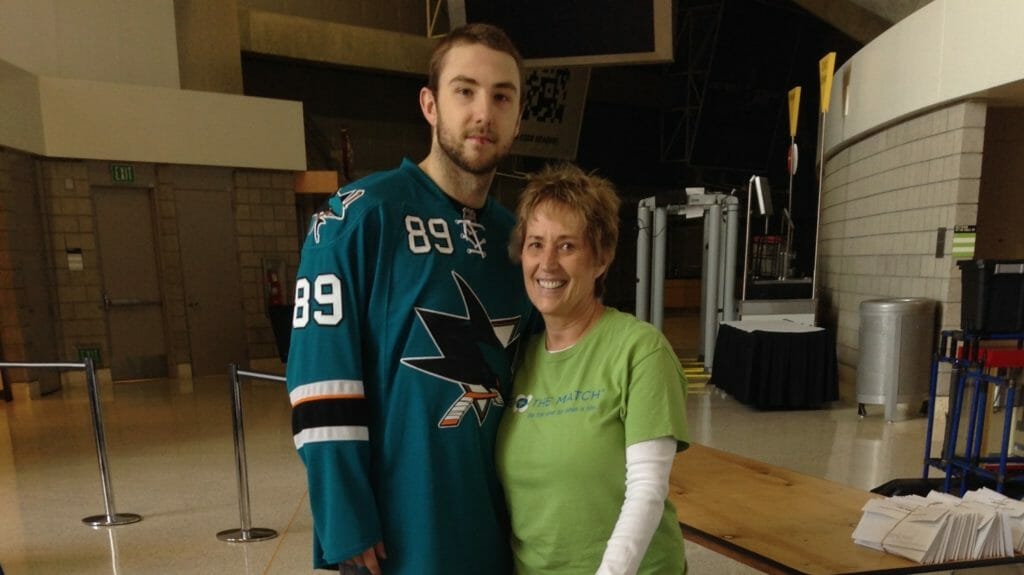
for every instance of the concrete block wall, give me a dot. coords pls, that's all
(171, 273)
(7, 298)
(267, 232)
(11, 341)
(65, 188)
(27, 331)
(67, 210)
(884, 199)
(265, 223)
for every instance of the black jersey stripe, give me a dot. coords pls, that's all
(350, 412)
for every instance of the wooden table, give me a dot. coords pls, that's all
(779, 521)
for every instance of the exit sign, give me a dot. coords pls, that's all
(92, 353)
(122, 173)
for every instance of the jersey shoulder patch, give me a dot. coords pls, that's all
(349, 205)
(334, 211)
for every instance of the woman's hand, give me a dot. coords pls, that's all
(369, 559)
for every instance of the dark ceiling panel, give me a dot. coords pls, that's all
(552, 29)
(745, 104)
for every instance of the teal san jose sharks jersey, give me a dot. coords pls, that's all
(408, 312)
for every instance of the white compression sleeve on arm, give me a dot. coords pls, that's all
(648, 465)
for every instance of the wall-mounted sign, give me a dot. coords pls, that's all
(92, 353)
(552, 112)
(122, 173)
(964, 237)
(75, 261)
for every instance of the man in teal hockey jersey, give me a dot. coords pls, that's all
(407, 314)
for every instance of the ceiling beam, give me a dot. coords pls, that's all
(335, 43)
(850, 18)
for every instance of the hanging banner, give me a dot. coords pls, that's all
(826, 68)
(553, 100)
(794, 110)
(791, 159)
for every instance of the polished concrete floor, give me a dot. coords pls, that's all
(171, 460)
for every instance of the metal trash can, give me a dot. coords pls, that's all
(897, 339)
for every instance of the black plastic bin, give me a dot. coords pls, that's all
(281, 324)
(993, 295)
(919, 486)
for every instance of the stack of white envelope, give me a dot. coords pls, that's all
(942, 527)
(1012, 510)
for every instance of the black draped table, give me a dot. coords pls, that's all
(774, 364)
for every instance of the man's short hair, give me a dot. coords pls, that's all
(477, 33)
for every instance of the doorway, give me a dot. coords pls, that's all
(212, 281)
(132, 297)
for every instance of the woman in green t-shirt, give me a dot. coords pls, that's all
(598, 408)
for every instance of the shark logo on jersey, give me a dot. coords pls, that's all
(469, 233)
(468, 346)
(323, 216)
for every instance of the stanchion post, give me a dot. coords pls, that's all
(111, 518)
(246, 533)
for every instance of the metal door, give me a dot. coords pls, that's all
(131, 283)
(212, 281)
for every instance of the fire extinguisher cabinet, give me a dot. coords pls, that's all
(278, 309)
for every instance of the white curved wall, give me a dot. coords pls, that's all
(947, 51)
(904, 149)
(884, 199)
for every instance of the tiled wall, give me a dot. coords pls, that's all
(265, 224)
(28, 332)
(9, 336)
(884, 199)
(267, 231)
(12, 347)
(172, 282)
(67, 210)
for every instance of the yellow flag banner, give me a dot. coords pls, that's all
(794, 110)
(826, 68)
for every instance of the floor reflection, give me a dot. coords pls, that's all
(171, 454)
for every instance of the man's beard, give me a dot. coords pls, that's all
(452, 146)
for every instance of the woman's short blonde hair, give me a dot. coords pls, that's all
(591, 197)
